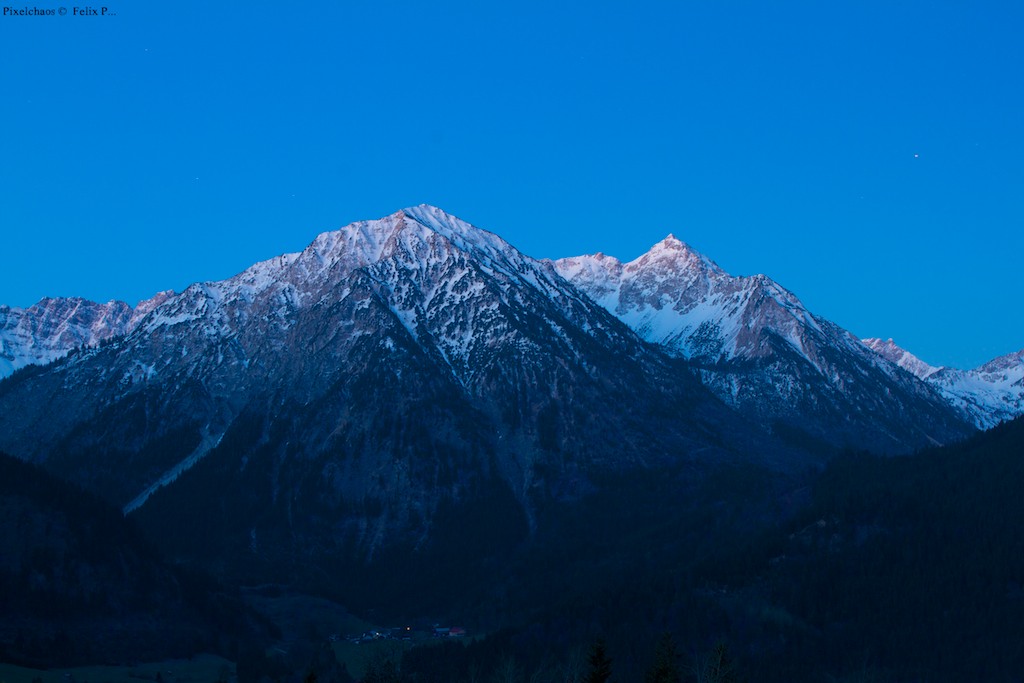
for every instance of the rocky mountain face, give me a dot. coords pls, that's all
(985, 396)
(341, 400)
(760, 350)
(52, 328)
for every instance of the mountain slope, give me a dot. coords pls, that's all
(762, 351)
(985, 396)
(340, 401)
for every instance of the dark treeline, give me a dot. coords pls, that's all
(502, 658)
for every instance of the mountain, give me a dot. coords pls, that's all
(78, 584)
(52, 328)
(362, 394)
(760, 350)
(985, 396)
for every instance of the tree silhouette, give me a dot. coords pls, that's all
(600, 665)
(716, 667)
(665, 668)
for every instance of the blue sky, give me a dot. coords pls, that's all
(869, 156)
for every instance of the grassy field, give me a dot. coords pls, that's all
(199, 669)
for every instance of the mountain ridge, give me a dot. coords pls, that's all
(986, 395)
(757, 347)
(672, 296)
(52, 327)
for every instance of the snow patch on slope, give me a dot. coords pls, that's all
(894, 354)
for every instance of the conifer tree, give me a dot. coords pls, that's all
(665, 668)
(600, 665)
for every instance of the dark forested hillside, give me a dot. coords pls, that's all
(882, 569)
(79, 584)
(914, 566)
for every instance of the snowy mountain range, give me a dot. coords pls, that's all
(671, 296)
(348, 398)
(677, 298)
(986, 395)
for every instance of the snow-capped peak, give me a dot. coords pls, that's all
(440, 220)
(442, 277)
(671, 242)
(675, 296)
(753, 342)
(495, 252)
(672, 253)
(365, 242)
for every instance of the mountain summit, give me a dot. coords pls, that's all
(679, 298)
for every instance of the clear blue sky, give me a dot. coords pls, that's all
(869, 156)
